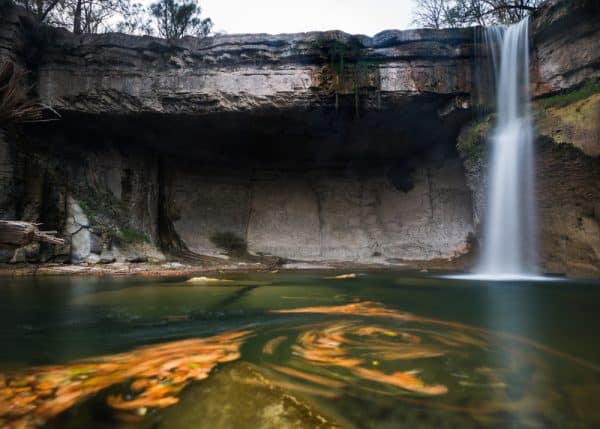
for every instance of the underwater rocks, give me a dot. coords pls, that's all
(361, 351)
(155, 375)
(238, 395)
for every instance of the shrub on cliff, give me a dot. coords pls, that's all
(178, 18)
(464, 13)
(81, 16)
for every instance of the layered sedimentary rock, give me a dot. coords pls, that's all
(314, 146)
(566, 37)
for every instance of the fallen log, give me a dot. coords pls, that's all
(15, 234)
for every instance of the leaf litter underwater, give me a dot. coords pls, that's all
(402, 367)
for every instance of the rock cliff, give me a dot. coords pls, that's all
(566, 86)
(313, 147)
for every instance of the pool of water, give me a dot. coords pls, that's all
(374, 350)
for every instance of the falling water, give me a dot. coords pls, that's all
(509, 229)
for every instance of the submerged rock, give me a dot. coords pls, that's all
(342, 277)
(239, 396)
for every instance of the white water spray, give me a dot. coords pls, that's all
(509, 245)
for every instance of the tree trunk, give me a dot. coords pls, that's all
(15, 234)
(77, 18)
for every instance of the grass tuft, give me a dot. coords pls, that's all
(566, 98)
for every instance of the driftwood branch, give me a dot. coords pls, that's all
(15, 234)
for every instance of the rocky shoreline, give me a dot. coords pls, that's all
(177, 269)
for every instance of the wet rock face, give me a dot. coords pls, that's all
(569, 230)
(567, 182)
(573, 119)
(566, 38)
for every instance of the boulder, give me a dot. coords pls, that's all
(93, 258)
(134, 257)
(107, 257)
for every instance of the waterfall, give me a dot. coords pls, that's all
(509, 245)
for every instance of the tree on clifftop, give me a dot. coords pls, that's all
(175, 19)
(41, 9)
(464, 13)
(92, 16)
(81, 16)
(432, 13)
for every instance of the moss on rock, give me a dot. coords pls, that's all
(567, 98)
(572, 118)
(131, 236)
(472, 139)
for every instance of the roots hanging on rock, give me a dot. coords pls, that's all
(16, 106)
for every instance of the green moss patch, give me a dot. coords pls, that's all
(471, 140)
(85, 206)
(573, 96)
(131, 236)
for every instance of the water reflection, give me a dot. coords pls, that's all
(468, 355)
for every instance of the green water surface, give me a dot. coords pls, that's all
(544, 361)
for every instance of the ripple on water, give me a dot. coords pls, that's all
(360, 350)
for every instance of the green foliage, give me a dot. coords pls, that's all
(79, 16)
(42, 10)
(566, 98)
(108, 215)
(174, 18)
(230, 242)
(178, 18)
(126, 235)
(471, 141)
(85, 206)
(464, 13)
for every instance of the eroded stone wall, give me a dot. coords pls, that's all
(327, 214)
